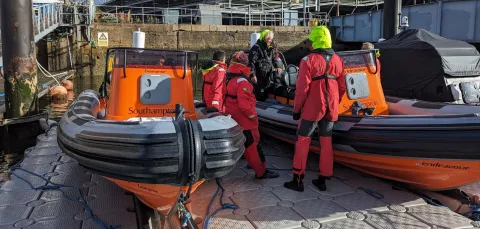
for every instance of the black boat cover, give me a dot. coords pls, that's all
(416, 62)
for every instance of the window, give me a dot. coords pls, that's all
(149, 58)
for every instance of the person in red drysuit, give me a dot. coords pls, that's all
(240, 104)
(214, 81)
(319, 89)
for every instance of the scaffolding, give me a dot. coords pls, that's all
(228, 12)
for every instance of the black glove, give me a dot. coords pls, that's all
(211, 110)
(199, 105)
(296, 116)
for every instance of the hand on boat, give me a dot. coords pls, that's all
(279, 70)
(296, 116)
(254, 79)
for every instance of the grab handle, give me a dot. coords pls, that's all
(185, 65)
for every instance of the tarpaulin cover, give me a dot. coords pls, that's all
(416, 62)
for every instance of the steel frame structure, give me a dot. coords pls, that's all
(250, 10)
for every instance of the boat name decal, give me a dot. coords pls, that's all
(154, 71)
(445, 166)
(147, 110)
(354, 70)
(148, 189)
(367, 104)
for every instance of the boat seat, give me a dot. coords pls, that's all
(283, 91)
(289, 77)
(288, 83)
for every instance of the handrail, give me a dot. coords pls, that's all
(369, 51)
(185, 66)
(125, 64)
(150, 49)
(124, 49)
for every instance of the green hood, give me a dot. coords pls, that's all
(320, 37)
(262, 36)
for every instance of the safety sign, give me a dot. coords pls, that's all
(102, 39)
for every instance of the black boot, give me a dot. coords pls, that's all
(268, 175)
(320, 183)
(296, 184)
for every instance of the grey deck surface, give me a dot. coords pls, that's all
(267, 204)
(22, 207)
(262, 204)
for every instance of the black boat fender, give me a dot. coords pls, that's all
(164, 151)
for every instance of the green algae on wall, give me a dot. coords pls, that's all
(21, 87)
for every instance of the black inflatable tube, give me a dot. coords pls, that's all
(122, 151)
(424, 144)
(219, 159)
(170, 158)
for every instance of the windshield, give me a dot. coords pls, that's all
(145, 58)
(358, 59)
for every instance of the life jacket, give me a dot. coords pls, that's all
(206, 69)
(328, 57)
(265, 63)
(231, 75)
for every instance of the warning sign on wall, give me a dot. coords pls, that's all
(102, 39)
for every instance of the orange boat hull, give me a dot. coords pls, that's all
(124, 104)
(162, 198)
(416, 151)
(142, 131)
(428, 174)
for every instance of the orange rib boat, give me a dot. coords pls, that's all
(432, 152)
(143, 131)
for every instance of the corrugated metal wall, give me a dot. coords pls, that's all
(458, 20)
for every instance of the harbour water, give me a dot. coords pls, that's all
(83, 79)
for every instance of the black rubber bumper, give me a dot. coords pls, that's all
(148, 157)
(459, 142)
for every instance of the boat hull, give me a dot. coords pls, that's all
(162, 198)
(155, 158)
(406, 149)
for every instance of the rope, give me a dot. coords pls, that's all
(423, 196)
(475, 215)
(187, 219)
(47, 73)
(371, 192)
(208, 219)
(55, 186)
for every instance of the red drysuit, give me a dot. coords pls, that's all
(311, 96)
(214, 86)
(240, 104)
(317, 98)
